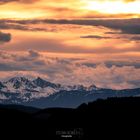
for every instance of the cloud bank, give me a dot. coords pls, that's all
(127, 26)
(108, 74)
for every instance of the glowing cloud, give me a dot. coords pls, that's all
(69, 9)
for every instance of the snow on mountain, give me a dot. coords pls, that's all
(92, 87)
(36, 88)
(3, 97)
(33, 89)
(74, 87)
(79, 88)
(42, 93)
(18, 85)
(43, 83)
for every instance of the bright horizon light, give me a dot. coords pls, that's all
(115, 7)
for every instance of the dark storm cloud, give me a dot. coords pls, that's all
(125, 26)
(5, 37)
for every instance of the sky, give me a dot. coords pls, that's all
(72, 42)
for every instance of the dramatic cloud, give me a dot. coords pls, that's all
(110, 74)
(73, 42)
(5, 37)
(69, 36)
(69, 9)
(125, 26)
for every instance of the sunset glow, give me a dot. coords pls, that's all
(113, 7)
(68, 38)
(78, 8)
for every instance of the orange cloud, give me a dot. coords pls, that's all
(69, 9)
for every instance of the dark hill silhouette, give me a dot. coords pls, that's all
(21, 108)
(103, 117)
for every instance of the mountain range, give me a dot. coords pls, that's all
(43, 94)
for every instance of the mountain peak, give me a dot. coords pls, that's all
(18, 79)
(43, 83)
(18, 82)
(40, 79)
(92, 87)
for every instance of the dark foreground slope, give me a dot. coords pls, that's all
(115, 116)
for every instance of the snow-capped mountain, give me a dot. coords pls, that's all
(41, 93)
(33, 89)
(22, 86)
(43, 83)
(18, 85)
(39, 86)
